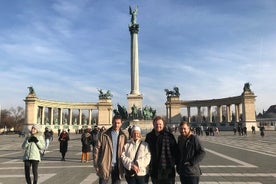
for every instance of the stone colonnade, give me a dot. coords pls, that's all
(244, 108)
(61, 115)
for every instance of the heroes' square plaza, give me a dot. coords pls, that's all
(230, 159)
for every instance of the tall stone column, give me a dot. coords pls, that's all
(135, 97)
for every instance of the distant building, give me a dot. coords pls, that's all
(268, 118)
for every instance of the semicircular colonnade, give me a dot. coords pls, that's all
(238, 109)
(59, 115)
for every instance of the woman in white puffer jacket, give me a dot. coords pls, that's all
(32, 145)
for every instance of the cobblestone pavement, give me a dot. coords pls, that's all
(229, 160)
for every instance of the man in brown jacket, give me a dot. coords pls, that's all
(107, 153)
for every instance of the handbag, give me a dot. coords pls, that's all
(131, 173)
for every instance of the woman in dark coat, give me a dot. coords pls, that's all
(63, 143)
(86, 140)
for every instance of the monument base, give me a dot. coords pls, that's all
(249, 124)
(145, 125)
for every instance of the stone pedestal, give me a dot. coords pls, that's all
(134, 99)
(30, 112)
(105, 112)
(249, 116)
(173, 106)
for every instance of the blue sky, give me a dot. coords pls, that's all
(67, 50)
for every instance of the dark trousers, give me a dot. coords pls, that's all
(27, 166)
(135, 179)
(163, 181)
(114, 177)
(189, 179)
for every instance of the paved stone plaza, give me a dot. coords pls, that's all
(229, 159)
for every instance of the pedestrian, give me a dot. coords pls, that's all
(190, 154)
(136, 158)
(86, 141)
(244, 130)
(253, 129)
(32, 145)
(63, 143)
(95, 135)
(217, 131)
(108, 152)
(262, 131)
(163, 149)
(48, 135)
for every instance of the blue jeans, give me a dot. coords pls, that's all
(47, 142)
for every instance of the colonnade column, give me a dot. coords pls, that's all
(60, 116)
(228, 112)
(210, 113)
(219, 113)
(198, 114)
(237, 112)
(80, 117)
(70, 116)
(189, 113)
(167, 112)
(90, 117)
(43, 115)
(51, 110)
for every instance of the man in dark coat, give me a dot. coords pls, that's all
(190, 153)
(163, 148)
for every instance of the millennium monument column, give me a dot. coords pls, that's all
(135, 97)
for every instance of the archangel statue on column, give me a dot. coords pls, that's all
(133, 14)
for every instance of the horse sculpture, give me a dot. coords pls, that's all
(174, 92)
(106, 95)
(31, 90)
(247, 87)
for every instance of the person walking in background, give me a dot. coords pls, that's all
(190, 154)
(86, 141)
(163, 149)
(63, 143)
(262, 131)
(32, 145)
(48, 135)
(108, 151)
(95, 135)
(136, 158)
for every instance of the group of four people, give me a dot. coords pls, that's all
(156, 157)
(116, 156)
